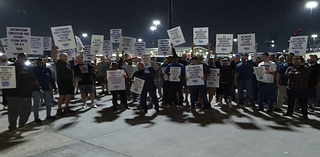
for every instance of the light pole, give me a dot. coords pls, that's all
(310, 5)
(234, 44)
(153, 28)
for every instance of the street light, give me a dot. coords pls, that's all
(156, 22)
(235, 40)
(312, 4)
(272, 45)
(139, 40)
(314, 35)
(84, 35)
(153, 28)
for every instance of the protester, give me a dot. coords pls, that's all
(102, 68)
(147, 74)
(313, 80)
(282, 81)
(184, 62)
(64, 79)
(47, 83)
(84, 74)
(4, 62)
(165, 80)
(19, 98)
(130, 68)
(243, 77)
(157, 77)
(121, 93)
(266, 82)
(202, 88)
(298, 81)
(225, 81)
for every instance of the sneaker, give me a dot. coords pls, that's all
(51, 118)
(38, 120)
(60, 112)
(94, 105)
(310, 109)
(84, 105)
(218, 104)
(68, 110)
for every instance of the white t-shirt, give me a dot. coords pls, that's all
(269, 67)
(130, 69)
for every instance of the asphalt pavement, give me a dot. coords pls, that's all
(173, 132)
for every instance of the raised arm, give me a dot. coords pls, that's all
(174, 51)
(215, 56)
(122, 56)
(156, 66)
(192, 53)
(255, 55)
(209, 50)
(55, 54)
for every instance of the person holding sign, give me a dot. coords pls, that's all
(19, 98)
(64, 79)
(225, 83)
(165, 80)
(243, 77)
(175, 71)
(298, 81)
(266, 82)
(84, 75)
(202, 88)
(115, 93)
(102, 68)
(147, 74)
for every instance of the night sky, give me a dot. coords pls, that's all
(134, 17)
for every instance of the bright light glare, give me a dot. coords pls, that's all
(314, 35)
(312, 4)
(156, 22)
(153, 28)
(272, 41)
(139, 40)
(84, 35)
(27, 62)
(235, 40)
(272, 45)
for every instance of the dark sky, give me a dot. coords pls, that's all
(134, 17)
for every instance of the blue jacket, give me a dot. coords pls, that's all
(45, 78)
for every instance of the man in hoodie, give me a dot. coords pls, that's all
(46, 80)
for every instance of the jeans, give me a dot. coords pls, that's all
(282, 92)
(194, 93)
(143, 97)
(302, 97)
(36, 102)
(123, 98)
(18, 107)
(248, 85)
(269, 89)
(233, 90)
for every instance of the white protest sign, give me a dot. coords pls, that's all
(96, 44)
(116, 80)
(165, 76)
(298, 45)
(224, 43)
(164, 47)
(174, 74)
(146, 60)
(176, 36)
(213, 79)
(246, 43)
(194, 74)
(139, 48)
(137, 85)
(201, 36)
(107, 48)
(4, 44)
(115, 35)
(36, 45)
(71, 53)
(18, 40)
(259, 72)
(87, 56)
(126, 43)
(63, 37)
(79, 44)
(7, 77)
(47, 43)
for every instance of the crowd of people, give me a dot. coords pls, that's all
(286, 78)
